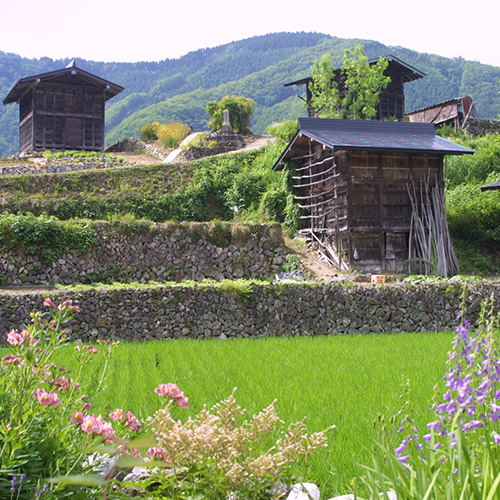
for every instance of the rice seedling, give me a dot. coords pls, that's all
(351, 382)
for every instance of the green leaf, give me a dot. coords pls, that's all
(82, 479)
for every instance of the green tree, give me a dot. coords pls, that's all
(351, 92)
(240, 112)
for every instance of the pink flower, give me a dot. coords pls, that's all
(68, 304)
(156, 453)
(48, 303)
(86, 406)
(16, 338)
(174, 393)
(61, 383)
(106, 429)
(47, 398)
(90, 425)
(91, 349)
(77, 418)
(132, 421)
(162, 390)
(116, 414)
(183, 402)
(10, 359)
(54, 399)
(77, 348)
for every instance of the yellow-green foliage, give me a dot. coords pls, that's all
(170, 134)
(240, 112)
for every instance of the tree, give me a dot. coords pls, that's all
(351, 92)
(240, 112)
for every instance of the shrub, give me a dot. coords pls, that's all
(240, 112)
(473, 169)
(216, 455)
(149, 131)
(474, 215)
(169, 134)
(246, 190)
(284, 132)
(46, 232)
(38, 401)
(273, 204)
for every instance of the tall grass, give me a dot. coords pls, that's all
(346, 380)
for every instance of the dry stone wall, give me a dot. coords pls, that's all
(480, 126)
(41, 165)
(259, 310)
(154, 252)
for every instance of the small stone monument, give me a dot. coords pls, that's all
(226, 138)
(226, 124)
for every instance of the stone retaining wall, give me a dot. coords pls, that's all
(155, 252)
(278, 309)
(480, 126)
(42, 165)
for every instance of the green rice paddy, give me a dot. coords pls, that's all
(346, 381)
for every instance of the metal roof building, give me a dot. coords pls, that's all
(366, 188)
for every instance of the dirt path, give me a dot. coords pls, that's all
(313, 266)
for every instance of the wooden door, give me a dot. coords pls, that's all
(74, 133)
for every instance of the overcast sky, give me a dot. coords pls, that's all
(153, 30)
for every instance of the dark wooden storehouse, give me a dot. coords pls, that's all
(62, 109)
(371, 191)
(392, 99)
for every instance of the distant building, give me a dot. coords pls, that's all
(391, 103)
(454, 112)
(62, 109)
(365, 187)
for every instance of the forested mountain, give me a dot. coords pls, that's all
(258, 67)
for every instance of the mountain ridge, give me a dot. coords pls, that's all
(256, 67)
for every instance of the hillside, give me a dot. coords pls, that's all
(178, 89)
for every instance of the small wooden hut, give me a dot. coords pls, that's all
(62, 109)
(392, 99)
(372, 192)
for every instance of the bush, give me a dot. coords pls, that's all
(149, 131)
(46, 232)
(240, 112)
(274, 203)
(284, 132)
(38, 402)
(246, 190)
(473, 215)
(473, 169)
(169, 134)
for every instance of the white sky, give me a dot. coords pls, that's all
(153, 30)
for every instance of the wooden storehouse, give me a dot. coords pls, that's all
(392, 99)
(370, 191)
(62, 109)
(453, 112)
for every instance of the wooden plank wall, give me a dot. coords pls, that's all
(359, 200)
(68, 117)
